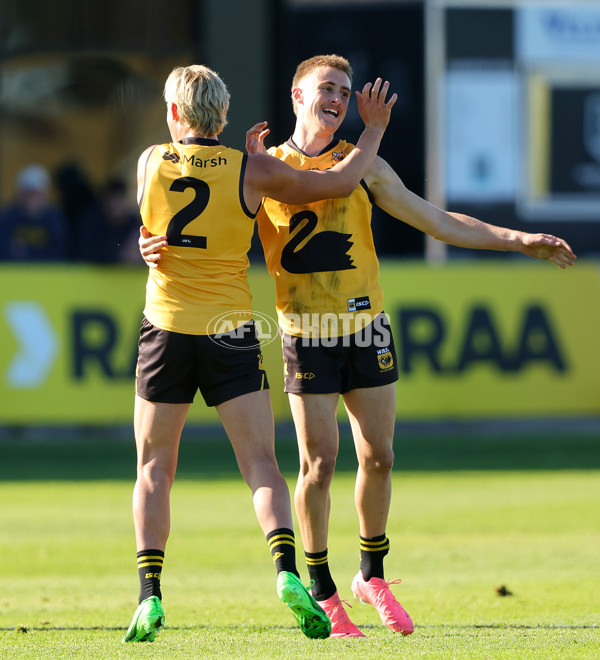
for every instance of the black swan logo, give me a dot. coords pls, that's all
(324, 252)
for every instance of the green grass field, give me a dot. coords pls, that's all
(469, 515)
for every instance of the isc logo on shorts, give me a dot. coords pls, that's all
(385, 359)
(306, 375)
(358, 304)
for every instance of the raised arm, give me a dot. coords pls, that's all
(269, 177)
(456, 228)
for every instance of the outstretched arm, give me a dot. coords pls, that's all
(545, 246)
(456, 228)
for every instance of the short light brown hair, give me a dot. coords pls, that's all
(200, 96)
(318, 61)
(308, 66)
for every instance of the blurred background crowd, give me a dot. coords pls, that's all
(82, 224)
(498, 113)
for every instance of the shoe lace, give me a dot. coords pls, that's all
(339, 611)
(384, 596)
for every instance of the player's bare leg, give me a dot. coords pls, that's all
(248, 421)
(318, 443)
(372, 413)
(158, 428)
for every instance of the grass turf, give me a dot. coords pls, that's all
(469, 516)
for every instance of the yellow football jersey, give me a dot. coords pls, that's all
(322, 255)
(192, 193)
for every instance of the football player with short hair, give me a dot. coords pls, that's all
(204, 196)
(336, 336)
(327, 287)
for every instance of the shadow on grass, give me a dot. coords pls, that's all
(205, 453)
(257, 628)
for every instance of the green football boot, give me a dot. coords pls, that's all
(311, 618)
(148, 619)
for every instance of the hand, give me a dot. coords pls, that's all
(255, 138)
(150, 247)
(546, 246)
(374, 110)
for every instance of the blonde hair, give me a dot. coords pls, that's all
(200, 96)
(308, 66)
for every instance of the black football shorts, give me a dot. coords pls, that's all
(172, 366)
(340, 364)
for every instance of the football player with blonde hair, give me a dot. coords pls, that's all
(322, 256)
(203, 197)
(201, 97)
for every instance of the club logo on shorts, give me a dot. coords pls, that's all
(385, 359)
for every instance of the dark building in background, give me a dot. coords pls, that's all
(81, 87)
(81, 91)
(379, 39)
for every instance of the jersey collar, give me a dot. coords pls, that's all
(205, 142)
(329, 147)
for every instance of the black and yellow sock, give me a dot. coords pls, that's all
(323, 586)
(372, 552)
(282, 547)
(150, 563)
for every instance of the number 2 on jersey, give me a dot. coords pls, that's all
(188, 213)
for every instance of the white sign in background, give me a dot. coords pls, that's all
(558, 33)
(481, 135)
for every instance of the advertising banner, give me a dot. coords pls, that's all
(473, 340)
(478, 340)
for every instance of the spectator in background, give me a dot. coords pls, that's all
(108, 228)
(33, 228)
(76, 195)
